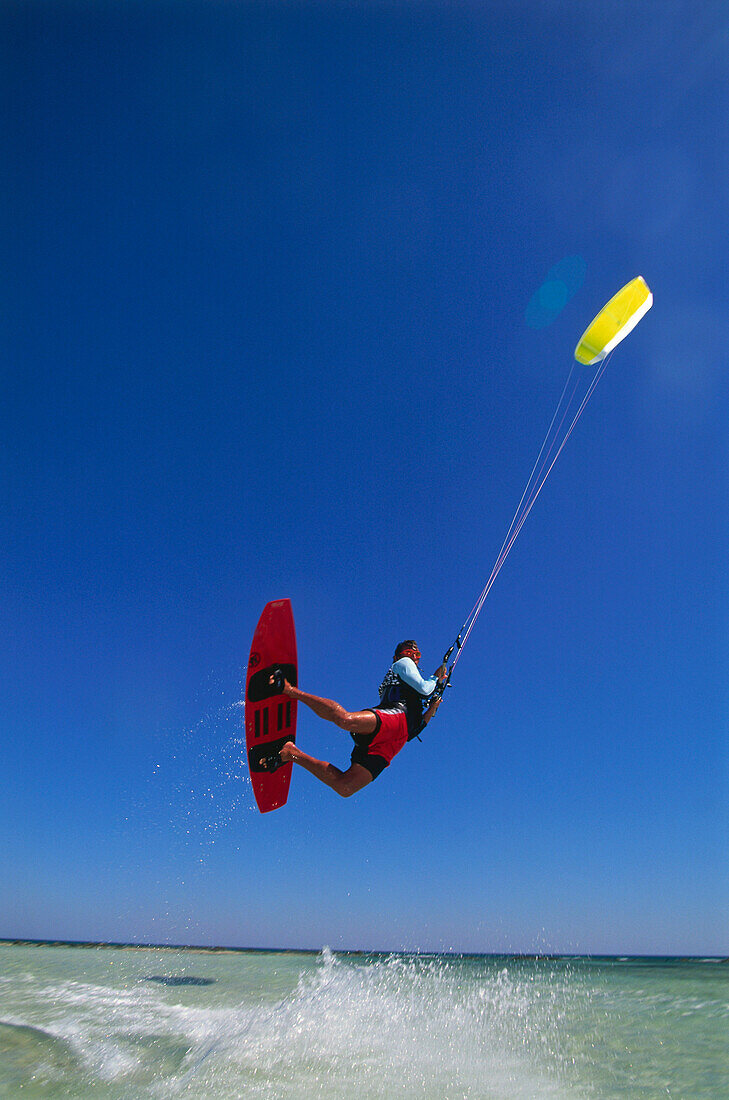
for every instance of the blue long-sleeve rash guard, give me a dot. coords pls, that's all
(409, 673)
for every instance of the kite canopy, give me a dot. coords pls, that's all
(614, 322)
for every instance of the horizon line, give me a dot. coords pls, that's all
(226, 949)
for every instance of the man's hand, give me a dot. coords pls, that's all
(430, 712)
(442, 673)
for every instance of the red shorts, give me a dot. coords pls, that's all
(375, 751)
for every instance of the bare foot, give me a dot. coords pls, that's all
(286, 689)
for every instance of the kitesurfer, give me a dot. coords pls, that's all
(407, 703)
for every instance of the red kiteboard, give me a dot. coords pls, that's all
(270, 717)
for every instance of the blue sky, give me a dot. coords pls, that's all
(266, 333)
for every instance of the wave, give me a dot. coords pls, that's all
(371, 1028)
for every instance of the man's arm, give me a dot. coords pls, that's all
(409, 672)
(430, 712)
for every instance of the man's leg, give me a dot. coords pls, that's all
(344, 783)
(357, 721)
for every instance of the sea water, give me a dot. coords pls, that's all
(107, 1022)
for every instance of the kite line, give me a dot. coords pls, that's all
(597, 344)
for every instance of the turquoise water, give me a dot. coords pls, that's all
(115, 1022)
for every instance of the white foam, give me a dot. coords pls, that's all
(402, 1026)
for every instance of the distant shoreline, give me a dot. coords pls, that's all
(224, 950)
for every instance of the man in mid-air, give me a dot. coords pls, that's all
(407, 704)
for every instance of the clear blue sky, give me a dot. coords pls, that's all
(264, 322)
